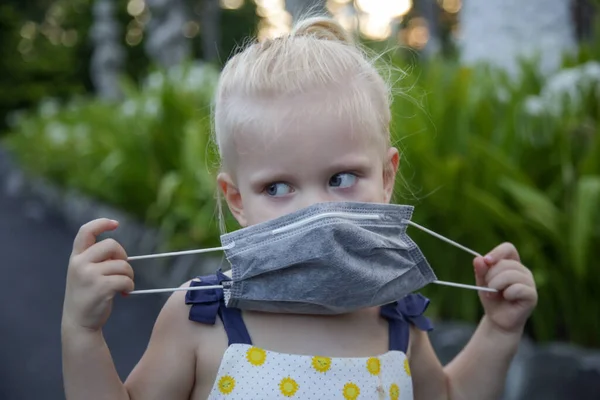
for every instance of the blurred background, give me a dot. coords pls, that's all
(105, 111)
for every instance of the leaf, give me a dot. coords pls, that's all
(498, 160)
(494, 209)
(535, 205)
(583, 219)
(168, 185)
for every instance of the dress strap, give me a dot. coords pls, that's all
(207, 304)
(400, 314)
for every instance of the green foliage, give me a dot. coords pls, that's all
(35, 61)
(148, 155)
(45, 48)
(485, 160)
(488, 160)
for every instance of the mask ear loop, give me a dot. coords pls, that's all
(178, 253)
(181, 253)
(232, 244)
(458, 245)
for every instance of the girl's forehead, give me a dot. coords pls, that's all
(297, 126)
(308, 148)
(304, 134)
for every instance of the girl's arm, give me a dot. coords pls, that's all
(479, 370)
(96, 272)
(166, 370)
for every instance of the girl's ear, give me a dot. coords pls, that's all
(232, 197)
(389, 172)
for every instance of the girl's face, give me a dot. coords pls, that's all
(310, 161)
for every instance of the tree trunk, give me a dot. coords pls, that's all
(499, 32)
(210, 19)
(430, 11)
(165, 43)
(108, 56)
(300, 8)
(585, 13)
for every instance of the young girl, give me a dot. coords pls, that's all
(299, 120)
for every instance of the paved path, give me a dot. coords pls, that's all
(33, 260)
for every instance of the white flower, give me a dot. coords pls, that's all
(151, 106)
(196, 76)
(49, 108)
(155, 80)
(129, 108)
(534, 106)
(566, 89)
(57, 133)
(591, 70)
(502, 94)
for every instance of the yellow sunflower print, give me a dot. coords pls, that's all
(288, 387)
(374, 365)
(256, 356)
(394, 392)
(351, 391)
(321, 364)
(406, 367)
(226, 384)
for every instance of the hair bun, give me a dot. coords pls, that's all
(322, 28)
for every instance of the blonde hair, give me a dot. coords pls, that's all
(318, 57)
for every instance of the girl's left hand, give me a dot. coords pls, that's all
(501, 269)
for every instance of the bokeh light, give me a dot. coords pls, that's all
(135, 7)
(191, 29)
(375, 26)
(451, 6)
(276, 21)
(231, 4)
(416, 34)
(388, 8)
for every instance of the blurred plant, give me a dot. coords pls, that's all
(480, 163)
(45, 49)
(488, 160)
(148, 155)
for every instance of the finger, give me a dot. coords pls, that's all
(505, 251)
(115, 267)
(507, 278)
(481, 271)
(520, 292)
(117, 283)
(87, 234)
(506, 265)
(104, 250)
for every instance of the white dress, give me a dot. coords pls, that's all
(251, 373)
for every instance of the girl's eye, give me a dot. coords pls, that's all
(343, 180)
(278, 189)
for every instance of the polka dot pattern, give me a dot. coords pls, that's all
(249, 372)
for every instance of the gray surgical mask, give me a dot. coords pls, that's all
(329, 258)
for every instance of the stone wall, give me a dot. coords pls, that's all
(555, 371)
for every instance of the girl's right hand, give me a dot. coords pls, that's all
(97, 271)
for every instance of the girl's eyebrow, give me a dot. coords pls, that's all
(263, 177)
(351, 163)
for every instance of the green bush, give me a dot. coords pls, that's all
(485, 160)
(493, 160)
(148, 155)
